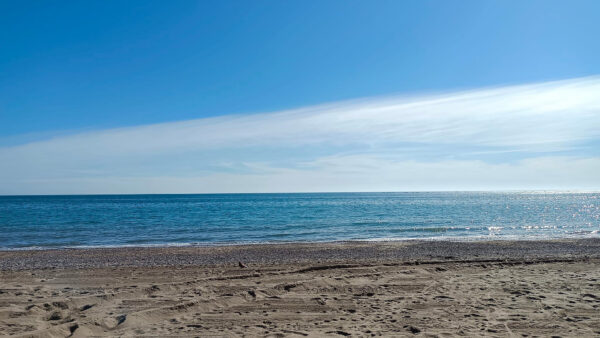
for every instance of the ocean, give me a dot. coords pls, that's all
(28, 222)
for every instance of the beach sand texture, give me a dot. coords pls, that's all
(471, 293)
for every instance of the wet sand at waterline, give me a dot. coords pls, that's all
(426, 288)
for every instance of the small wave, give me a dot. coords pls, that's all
(451, 238)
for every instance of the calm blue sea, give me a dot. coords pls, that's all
(141, 220)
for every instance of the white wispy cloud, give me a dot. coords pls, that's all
(409, 141)
(347, 174)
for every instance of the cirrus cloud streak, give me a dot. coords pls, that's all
(516, 137)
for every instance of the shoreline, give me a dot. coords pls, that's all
(301, 252)
(480, 238)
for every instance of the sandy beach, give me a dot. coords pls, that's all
(410, 288)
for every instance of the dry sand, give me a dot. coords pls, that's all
(545, 288)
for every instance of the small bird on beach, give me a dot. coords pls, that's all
(242, 265)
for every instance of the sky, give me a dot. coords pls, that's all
(298, 96)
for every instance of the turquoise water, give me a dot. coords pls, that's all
(140, 220)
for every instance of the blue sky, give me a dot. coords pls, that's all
(338, 95)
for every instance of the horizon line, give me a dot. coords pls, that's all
(560, 191)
